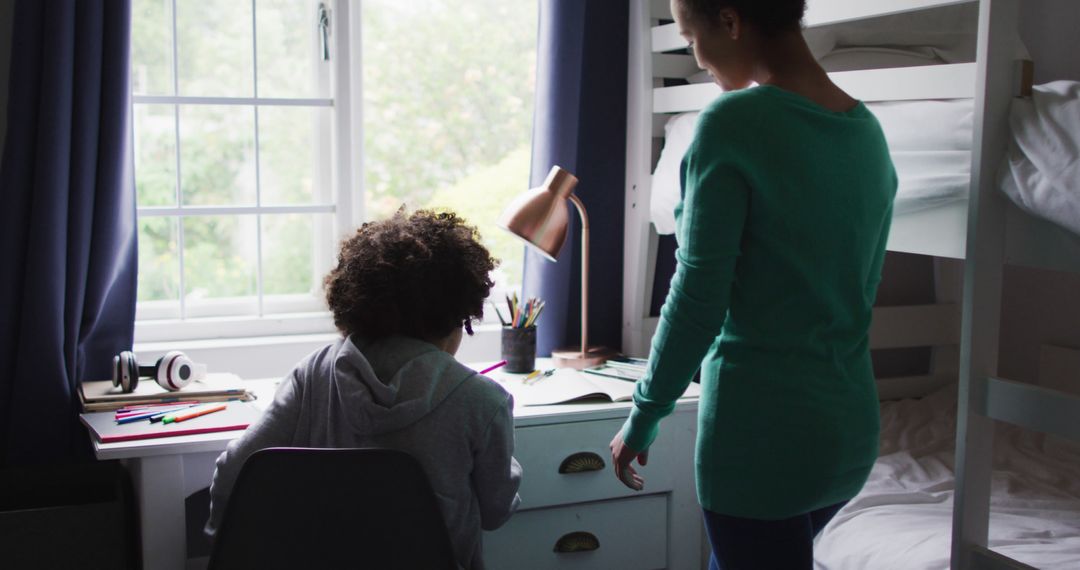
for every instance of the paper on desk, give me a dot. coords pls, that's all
(569, 385)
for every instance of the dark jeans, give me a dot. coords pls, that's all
(752, 544)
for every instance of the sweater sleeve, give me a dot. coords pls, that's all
(496, 474)
(275, 428)
(709, 229)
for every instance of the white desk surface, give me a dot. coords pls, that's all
(264, 392)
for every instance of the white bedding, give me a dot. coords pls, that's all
(1041, 173)
(902, 518)
(930, 142)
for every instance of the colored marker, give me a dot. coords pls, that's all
(133, 417)
(498, 364)
(161, 415)
(153, 410)
(148, 407)
(187, 415)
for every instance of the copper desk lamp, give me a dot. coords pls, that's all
(539, 217)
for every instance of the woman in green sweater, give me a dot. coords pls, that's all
(787, 199)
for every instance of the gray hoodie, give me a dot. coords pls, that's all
(405, 394)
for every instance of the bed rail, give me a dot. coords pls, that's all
(985, 559)
(1033, 407)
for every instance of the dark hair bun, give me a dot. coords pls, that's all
(770, 17)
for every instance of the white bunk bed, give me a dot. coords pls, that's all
(984, 230)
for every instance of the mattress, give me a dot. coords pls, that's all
(930, 143)
(903, 516)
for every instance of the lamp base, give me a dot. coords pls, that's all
(573, 358)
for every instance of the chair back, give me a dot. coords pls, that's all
(332, 508)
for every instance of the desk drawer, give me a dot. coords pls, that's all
(628, 534)
(542, 450)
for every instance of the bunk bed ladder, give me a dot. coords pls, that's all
(639, 249)
(984, 398)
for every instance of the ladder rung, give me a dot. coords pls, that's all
(1033, 407)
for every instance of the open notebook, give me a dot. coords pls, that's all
(568, 385)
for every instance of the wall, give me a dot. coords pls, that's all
(1042, 307)
(1046, 26)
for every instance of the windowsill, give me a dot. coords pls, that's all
(275, 356)
(235, 343)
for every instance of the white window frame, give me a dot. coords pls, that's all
(307, 316)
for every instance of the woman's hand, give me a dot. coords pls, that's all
(621, 456)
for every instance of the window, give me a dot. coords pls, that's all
(448, 111)
(247, 137)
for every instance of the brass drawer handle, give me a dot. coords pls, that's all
(579, 541)
(581, 462)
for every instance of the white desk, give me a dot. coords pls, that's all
(165, 471)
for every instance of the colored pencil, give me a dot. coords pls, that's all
(187, 415)
(498, 364)
(128, 418)
(522, 314)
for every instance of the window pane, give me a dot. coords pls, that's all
(472, 198)
(151, 47)
(296, 250)
(290, 55)
(159, 268)
(217, 155)
(294, 155)
(214, 47)
(448, 119)
(155, 155)
(220, 265)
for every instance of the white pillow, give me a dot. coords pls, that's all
(666, 190)
(926, 124)
(1041, 171)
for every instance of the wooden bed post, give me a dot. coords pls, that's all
(982, 281)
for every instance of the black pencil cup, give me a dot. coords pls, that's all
(519, 349)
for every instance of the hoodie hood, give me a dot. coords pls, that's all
(388, 384)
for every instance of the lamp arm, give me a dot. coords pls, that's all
(584, 273)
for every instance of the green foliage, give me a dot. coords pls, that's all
(480, 197)
(448, 90)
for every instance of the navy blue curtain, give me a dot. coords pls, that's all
(580, 124)
(69, 262)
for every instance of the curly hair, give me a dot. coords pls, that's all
(770, 17)
(420, 275)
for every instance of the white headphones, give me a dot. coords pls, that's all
(172, 371)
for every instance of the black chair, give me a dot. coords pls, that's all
(332, 508)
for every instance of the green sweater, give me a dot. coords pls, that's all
(781, 231)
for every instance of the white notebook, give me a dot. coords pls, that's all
(568, 385)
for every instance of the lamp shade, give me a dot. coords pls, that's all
(539, 216)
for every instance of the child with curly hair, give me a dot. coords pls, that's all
(401, 293)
